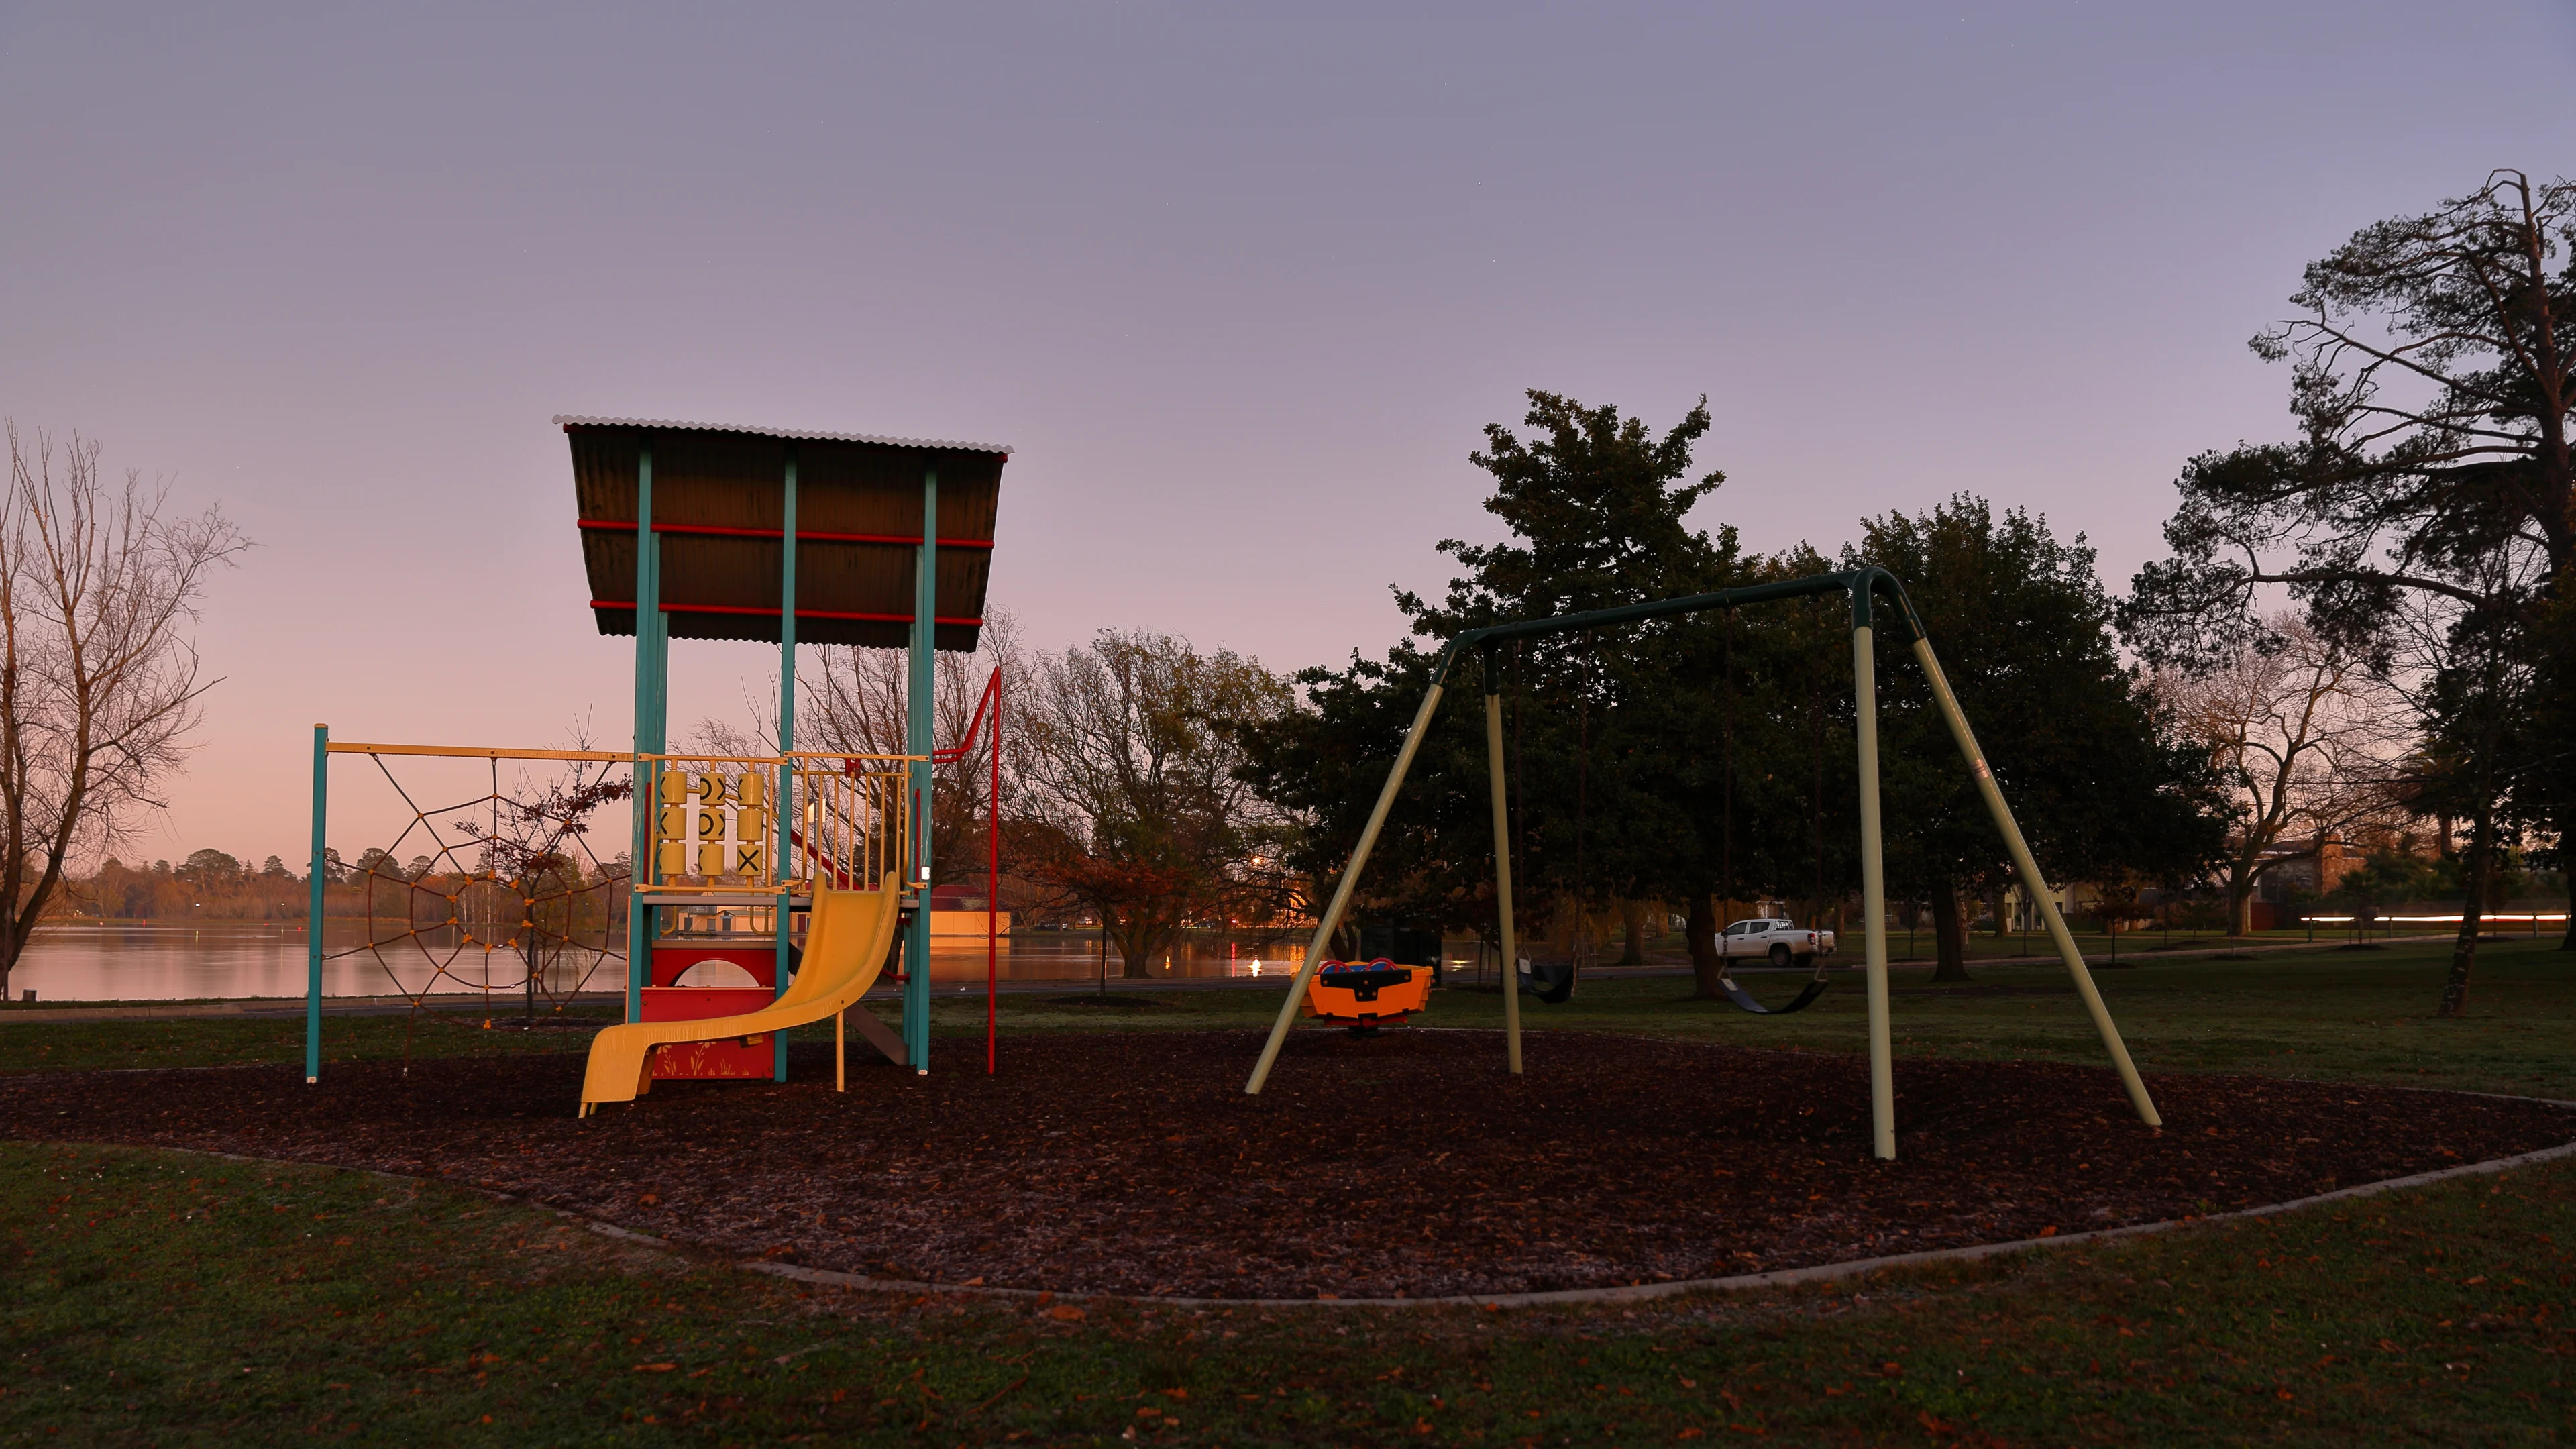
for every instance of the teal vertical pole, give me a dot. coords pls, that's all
(786, 792)
(313, 919)
(648, 734)
(918, 690)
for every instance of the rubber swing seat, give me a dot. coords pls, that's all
(1549, 981)
(1744, 1001)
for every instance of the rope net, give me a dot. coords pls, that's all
(498, 894)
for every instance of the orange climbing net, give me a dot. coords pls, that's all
(498, 893)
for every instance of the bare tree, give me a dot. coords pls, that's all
(99, 684)
(858, 704)
(2306, 738)
(1133, 800)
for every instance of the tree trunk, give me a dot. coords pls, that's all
(1702, 933)
(1995, 904)
(1949, 936)
(1565, 928)
(2240, 899)
(1140, 947)
(2567, 942)
(1632, 927)
(2464, 950)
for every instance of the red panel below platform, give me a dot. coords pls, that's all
(730, 1057)
(672, 958)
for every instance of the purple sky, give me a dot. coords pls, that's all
(1241, 289)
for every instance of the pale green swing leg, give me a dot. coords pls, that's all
(2028, 869)
(1503, 866)
(1873, 900)
(1342, 892)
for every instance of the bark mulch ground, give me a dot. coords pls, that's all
(1403, 1164)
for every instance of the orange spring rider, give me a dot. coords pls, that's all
(1365, 996)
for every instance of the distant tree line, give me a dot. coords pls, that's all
(212, 885)
(208, 885)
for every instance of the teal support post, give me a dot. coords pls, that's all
(918, 689)
(785, 804)
(313, 919)
(649, 708)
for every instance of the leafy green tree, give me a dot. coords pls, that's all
(1596, 506)
(377, 861)
(2385, 877)
(2103, 785)
(1600, 729)
(2430, 497)
(209, 868)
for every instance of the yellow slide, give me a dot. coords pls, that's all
(845, 948)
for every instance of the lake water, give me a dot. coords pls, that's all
(231, 959)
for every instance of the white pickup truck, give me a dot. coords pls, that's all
(1781, 941)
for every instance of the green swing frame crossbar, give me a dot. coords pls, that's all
(1864, 586)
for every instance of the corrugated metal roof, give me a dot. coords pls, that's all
(799, 434)
(718, 507)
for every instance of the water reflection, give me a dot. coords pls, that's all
(146, 961)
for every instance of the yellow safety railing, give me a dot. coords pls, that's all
(717, 826)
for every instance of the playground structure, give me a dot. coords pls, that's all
(1864, 586)
(710, 531)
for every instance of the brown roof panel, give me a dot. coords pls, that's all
(719, 507)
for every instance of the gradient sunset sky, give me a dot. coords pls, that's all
(1240, 282)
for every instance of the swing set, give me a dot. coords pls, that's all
(1865, 587)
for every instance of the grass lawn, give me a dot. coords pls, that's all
(176, 1298)
(222, 1041)
(2362, 1014)
(2133, 945)
(2357, 1014)
(172, 1299)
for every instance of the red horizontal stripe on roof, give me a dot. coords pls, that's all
(803, 535)
(772, 612)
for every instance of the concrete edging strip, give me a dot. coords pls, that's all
(1641, 1292)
